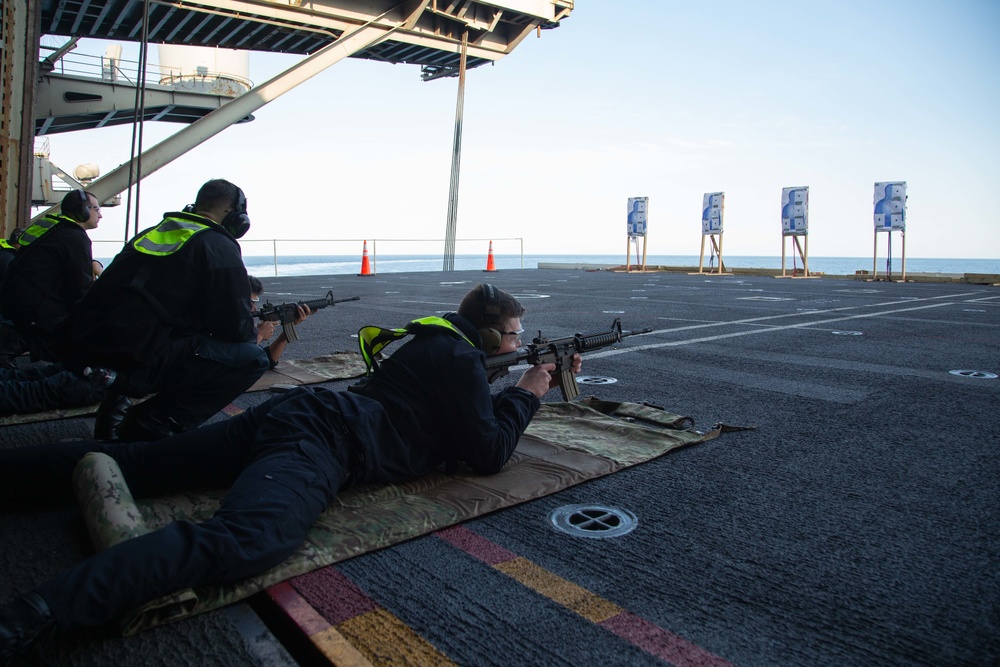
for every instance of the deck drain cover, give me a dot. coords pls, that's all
(595, 379)
(975, 374)
(596, 521)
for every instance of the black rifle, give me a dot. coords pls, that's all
(287, 313)
(559, 352)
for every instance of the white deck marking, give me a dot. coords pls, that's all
(799, 325)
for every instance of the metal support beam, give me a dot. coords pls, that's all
(168, 150)
(50, 61)
(456, 162)
(18, 68)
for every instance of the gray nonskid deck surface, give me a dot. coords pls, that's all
(859, 524)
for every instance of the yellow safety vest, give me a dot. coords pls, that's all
(372, 339)
(4, 244)
(42, 227)
(170, 235)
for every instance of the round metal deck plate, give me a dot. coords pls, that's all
(593, 521)
(595, 379)
(983, 375)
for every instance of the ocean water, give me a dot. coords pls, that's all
(314, 265)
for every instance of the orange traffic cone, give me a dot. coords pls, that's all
(490, 266)
(366, 270)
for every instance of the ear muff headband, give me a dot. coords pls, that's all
(491, 304)
(492, 338)
(81, 210)
(237, 222)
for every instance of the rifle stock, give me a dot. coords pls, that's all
(560, 352)
(287, 313)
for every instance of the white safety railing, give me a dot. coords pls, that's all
(112, 69)
(284, 257)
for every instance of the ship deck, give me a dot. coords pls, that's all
(858, 523)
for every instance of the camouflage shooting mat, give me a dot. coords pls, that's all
(336, 366)
(566, 444)
(46, 415)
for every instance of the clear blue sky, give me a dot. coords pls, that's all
(628, 98)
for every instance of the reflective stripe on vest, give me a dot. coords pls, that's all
(372, 339)
(168, 237)
(40, 228)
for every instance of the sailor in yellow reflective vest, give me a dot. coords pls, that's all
(170, 316)
(53, 269)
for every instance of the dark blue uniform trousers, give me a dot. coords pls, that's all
(192, 378)
(46, 387)
(282, 474)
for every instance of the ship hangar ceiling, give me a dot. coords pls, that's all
(303, 27)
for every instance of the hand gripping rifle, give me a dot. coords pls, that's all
(559, 352)
(287, 313)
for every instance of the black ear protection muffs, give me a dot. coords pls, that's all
(491, 320)
(80, 209)
(237, 222)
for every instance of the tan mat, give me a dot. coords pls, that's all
(336, 366)
(566, 444)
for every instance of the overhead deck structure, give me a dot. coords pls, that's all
(427, 33)
(430, 35)
(85, 92)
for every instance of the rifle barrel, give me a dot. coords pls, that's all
(328, 300)
(636, 332)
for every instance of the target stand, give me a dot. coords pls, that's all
(800, 250)
(638, 267)
(712, 209)
(795, 224)
(638, 208)
(890, 216)
(720, 270)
